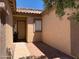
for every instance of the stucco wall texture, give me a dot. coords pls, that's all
(8, 26)
(61, 33)
(32, 36)
(75, 38)
(6, 29)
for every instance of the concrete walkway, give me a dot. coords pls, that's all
(21, 50)
(34, 50)
(38, 50)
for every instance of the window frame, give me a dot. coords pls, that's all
(37, 19)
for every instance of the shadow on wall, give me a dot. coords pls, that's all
(75, 38)
(37, 36)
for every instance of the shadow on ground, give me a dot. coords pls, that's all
(50, 52)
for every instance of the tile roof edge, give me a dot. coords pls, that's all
(28, 9)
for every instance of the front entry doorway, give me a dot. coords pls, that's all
(21, 31)
(21, 28)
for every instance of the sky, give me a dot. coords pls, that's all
(32, 4)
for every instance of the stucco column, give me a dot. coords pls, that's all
(2, 37)
(30, 32)
(9, 26)
(9, 31)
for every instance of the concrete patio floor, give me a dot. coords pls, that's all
(38, 49)
(20, 50)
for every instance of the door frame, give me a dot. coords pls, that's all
(25, 28)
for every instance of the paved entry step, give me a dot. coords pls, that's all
(21, 50)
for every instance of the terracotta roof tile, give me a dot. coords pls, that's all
(32, 11)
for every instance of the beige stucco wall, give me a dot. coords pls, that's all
(2, 38)
(37, 36)
(56, 31)
(31, 35)
(0, 35)
(75, 38)
(8, 25)
(30, 31)
(6, 28)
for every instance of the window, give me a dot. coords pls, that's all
(37, 25)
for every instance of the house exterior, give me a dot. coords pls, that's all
(28, 25)
(25, 24)
(17, 26)
(61, 33)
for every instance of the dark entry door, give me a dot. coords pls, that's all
(21, 28)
